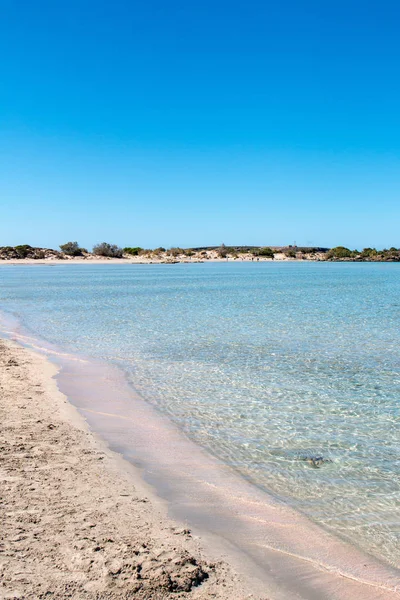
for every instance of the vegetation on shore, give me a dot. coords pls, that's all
(109, 250)
(71, 250)
(368, 254)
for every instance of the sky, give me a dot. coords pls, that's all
(198, 123)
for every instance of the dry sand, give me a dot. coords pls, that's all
(164, 259)
(74, 525)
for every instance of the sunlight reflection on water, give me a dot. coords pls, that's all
(265, 365)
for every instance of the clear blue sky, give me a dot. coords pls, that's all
(194, 123)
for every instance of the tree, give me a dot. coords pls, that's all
(175, 252)
(339, 252)
(368, 252)
(223, 251)
(23, 250)
(71, 248)
(158, 251)
(266, 252)
(109, 250)
(133, 251)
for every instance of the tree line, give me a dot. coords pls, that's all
(114, 251)
(339, 253)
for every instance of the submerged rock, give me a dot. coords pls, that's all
(316, 461)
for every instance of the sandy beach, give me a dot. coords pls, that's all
(75, 523)
(199, 301)
(46, 256)
(135, 260)
(79, 521)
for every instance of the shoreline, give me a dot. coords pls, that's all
(285, 560)
(77, 519)
(72, 252)
(141, 261)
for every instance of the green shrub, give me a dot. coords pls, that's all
(109, 250)
(368, 252)
(266, 252)
(158, 251)
(339, 252)
(23, 250)
(223, 251)
(71, 248)
(133, 251)
(175, 251)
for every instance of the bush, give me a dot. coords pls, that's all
(71, 248)
(265, 252)
(158, 251)
(133, 251)
(223, 251)
(175, 251)
(339, 252)
(109, 250)
(368, 252)
(23, 250)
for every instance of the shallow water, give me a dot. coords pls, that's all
(265, 365)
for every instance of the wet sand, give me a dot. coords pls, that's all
(285, 554)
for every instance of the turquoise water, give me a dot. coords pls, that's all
(263, 364)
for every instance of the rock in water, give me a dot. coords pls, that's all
(316, 461)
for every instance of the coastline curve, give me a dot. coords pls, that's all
(284, 553)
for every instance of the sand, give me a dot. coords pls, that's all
(74, 523)
(211, 257)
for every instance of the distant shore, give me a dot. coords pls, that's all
(108, 253)
(95, 260)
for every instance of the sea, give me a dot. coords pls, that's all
(289, 373)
